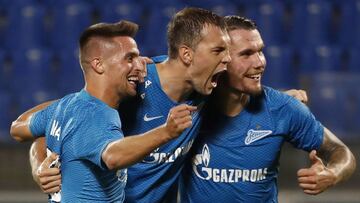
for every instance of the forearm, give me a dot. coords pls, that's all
(132, 149)
(20, 130)
(340, 161)
(338, 158)
(37, 155)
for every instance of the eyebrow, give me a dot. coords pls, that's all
(132, 54)
(250, 51)
(219, 48)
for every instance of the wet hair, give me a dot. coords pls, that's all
(234, 22)
(186, 26)
(108, 30)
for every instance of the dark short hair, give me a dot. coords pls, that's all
(186, 26)
(234, 22)
(108, 30)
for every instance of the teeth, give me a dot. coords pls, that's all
(133, 79)
(256, 77)
(214, 84)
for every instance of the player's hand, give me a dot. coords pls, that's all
(317, 178)
(49, 179)
(144, 60)
(298, 94)
(179, 118)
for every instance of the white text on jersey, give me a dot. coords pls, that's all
(55, 130)
(163, 157)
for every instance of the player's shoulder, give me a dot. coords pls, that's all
(151, 67)
(152, 76)
(83, 103)
(159, 59)
(276, 99)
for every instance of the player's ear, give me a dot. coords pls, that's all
(96, 65)
(185, 54)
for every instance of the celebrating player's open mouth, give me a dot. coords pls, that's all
(133, 80)
(255, 77)
(215, 77)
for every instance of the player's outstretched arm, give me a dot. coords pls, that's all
(20, 130)
(333, 163)
(132, 149)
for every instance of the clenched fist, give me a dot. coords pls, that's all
(179, 118)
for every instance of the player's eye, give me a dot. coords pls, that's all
(130, 59)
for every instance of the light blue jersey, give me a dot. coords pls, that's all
(236, 159)
(155, 178)
(78, 127)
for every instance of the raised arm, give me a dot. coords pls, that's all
(332, 164)
(132, 149)
(20, 130)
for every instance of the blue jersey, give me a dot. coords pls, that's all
(78, 127)
(155, 178)
(236, 158)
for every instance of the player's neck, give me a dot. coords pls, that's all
(104, 94)
(173, 81)
(231, 102)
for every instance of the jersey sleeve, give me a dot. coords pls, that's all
(305, 132)
(99, 129)
(39, 120)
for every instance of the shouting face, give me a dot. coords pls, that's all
(210, 58)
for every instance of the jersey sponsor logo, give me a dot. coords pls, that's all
(55, 130)
(254, 135)
(147, 83)
(147, 118)
(224, 175)
(142, 96)
(168, 157)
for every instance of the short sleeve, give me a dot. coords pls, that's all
(305, 132)
(98, 130)
(39, 120)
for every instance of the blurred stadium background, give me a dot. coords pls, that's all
(310, 44)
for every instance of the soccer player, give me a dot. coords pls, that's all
(235, 158)
(197, 55)
(84, 128)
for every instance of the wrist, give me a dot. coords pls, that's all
(333, 174)
(166, 133)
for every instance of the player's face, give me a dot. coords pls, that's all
(124, 66)
(247, 61)
(210, 58)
